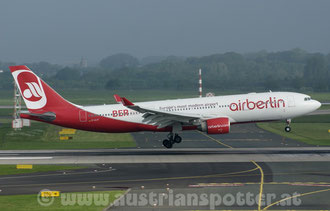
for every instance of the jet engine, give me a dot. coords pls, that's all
(215, 126)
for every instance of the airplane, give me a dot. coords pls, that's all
(212, 115)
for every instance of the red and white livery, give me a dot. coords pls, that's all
(212, 115)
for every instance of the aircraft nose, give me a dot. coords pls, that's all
(317, 104)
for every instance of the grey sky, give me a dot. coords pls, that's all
(63, 31)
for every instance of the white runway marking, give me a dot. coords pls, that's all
(58, 174)
(240, 139)
(25, 158)
(2, 154)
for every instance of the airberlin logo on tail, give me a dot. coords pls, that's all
(247, 104)
(32, 93)
(31, 89)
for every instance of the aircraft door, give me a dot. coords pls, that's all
(291, 102)
(82, 116)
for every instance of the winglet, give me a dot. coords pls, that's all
(126, 102)
(123, 100)
(117, 98)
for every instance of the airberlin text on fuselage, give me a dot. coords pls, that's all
(251, 105)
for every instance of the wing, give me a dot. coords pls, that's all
(159, 117)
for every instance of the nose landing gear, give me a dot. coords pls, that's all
(288, 128)
(171, 139)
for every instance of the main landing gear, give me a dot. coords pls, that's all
(288, 128)
(172, 139)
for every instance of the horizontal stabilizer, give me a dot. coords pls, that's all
(48, 116)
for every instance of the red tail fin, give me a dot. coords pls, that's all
(37, 95)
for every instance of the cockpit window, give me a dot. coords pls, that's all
(307, 98)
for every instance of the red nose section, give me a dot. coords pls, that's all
(19, 67)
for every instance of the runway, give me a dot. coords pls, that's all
(197, 178)
(192, 155)
(240, 136)
(248, 161)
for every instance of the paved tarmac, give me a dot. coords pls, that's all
(191, 155)
(278, 180)
(212, 183)
(241, 136)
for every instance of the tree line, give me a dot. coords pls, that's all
(293, 70)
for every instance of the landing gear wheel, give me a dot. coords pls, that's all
(167, 143)
(287, 129)
(177, 138)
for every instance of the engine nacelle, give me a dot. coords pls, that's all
(216, 126)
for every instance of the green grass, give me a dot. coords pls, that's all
(325, 107)
(313, 119)
(29, 203)
(310, 129)
(93, 97)
(5, 121)
(321, 96)
(96, 97)
(6, 111)
(11, 169)
(6, 97)
(87, 97)
(45, 136)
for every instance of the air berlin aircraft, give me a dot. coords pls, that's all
(212, 115)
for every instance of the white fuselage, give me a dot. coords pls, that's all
(252, 107)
